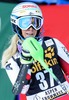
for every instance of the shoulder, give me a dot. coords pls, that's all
(47, 38)
(55, 40)
(15, 56)
(58, 42)
(48, 41)
(12, 61)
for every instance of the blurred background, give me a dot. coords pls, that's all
(56, 24)
(39, 1)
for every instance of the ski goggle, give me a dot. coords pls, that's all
(25, 22)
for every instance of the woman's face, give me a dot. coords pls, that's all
(29, 32)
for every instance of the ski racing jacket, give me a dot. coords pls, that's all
(42, 85)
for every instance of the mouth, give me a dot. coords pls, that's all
(30, 34)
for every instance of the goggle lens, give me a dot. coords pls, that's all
(25, 22)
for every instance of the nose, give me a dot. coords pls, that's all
(31, 28)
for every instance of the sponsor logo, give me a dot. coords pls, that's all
(65, 50)
(27, 6)
(52, 60)
(49, 42)
(8, 67)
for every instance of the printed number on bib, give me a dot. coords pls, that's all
(43, 83)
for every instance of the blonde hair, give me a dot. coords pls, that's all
(10, 51)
